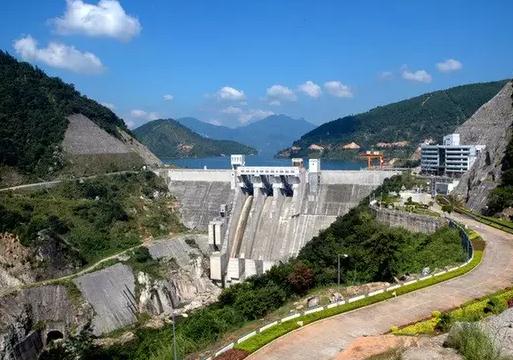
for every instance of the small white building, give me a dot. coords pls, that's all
(451, 158)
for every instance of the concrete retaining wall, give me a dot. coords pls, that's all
(413, 222)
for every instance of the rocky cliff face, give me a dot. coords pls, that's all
(110, 298)
(48, 258)
(491, 125)
(119, 293)
(28, 316)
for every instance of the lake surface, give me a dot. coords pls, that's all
(259, 160)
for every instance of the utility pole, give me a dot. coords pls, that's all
(175, 357)
(345, 256)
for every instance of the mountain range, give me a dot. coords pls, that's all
(267, 136)
(398, 128)
(168, 139)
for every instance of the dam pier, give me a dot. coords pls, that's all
(256, 216)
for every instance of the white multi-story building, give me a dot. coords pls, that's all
(451, 158)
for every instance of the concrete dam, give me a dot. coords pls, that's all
(258, 216)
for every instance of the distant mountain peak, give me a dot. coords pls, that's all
(267, 135)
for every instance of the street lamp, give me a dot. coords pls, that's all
(345, 256)
(174, 334)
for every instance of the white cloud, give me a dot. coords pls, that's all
(109, 105)
(253, 114)
(232, 110)
(214, 122)
(419, 75)
(107, 18)
(311, 89)
(386, 75)
(59, 56)
(278, 93)
(246, 115)
(130, 124)
(449, 65)
(143, 115)
(230, 94)
(337, 89)
(168, 97)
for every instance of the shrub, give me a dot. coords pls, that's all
(444, 322)
(473, 343)
(141, 254)
(495, 306)
(258, 302)
(301, 278)
(436, 314)
(447, 208)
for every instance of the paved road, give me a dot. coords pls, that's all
(326, 338)
(46, 184)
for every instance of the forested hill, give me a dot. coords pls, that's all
(169, 139)
(397, 128)
(33, 111)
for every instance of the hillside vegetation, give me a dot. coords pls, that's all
(95, 217)
(376, 253)
(406, 123)
(33, 111)
(169, 139)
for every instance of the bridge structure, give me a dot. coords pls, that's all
(257, 216)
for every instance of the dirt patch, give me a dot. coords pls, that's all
(410, 347)
(233, 354)
(365, 347)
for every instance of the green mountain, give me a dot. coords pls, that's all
(48, 130)
(33, 116)
(397, 128)
(170, 139)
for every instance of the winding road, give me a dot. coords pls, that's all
(326, 338)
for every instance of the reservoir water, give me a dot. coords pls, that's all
(223, 162)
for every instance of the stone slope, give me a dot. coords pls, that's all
(491, 125)
(90, 149)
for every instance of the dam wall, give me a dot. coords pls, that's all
(265, 214)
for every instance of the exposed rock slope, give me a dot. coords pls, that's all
(90, 148)
(491, 125)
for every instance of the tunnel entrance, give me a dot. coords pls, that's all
(53, 335)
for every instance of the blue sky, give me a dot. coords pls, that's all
(233, 62)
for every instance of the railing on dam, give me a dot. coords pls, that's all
(268, 170)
